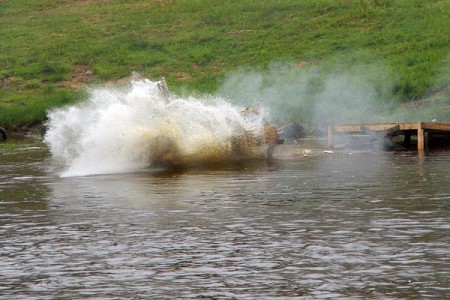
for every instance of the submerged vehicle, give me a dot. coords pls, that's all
(251, 137)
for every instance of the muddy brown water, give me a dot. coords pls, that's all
(361, 225)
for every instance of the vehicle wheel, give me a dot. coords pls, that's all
(3, 133)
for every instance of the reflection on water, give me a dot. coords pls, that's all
(361, 225)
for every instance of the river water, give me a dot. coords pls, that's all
(361, 225)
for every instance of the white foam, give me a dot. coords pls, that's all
(118, 131)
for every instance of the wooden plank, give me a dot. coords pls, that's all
(408, 126)
(386, 131)
(380, 127)
(346, 128)
(355, 128)
(436, 126)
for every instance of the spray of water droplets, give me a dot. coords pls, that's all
(127, 130)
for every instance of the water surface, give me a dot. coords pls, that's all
(352, 226)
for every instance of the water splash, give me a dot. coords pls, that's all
(118, 131)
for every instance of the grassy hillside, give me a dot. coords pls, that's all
(49, 49)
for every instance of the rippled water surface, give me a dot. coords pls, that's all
(362, 225)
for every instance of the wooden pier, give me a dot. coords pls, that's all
(422, 130)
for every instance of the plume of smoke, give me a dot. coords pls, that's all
(344, 89)
(315, 94)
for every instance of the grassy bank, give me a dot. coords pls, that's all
(50, 49)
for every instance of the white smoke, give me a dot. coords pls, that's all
(351, 87)
(119, 131)
(315, 94)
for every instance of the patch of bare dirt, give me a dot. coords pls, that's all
(182, 76)
(6, 81)
(240, 31)
(80, 78)
(301, 64)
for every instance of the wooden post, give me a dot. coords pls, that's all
(420, 137)
(330, 136)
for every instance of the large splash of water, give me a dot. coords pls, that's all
(117, 131)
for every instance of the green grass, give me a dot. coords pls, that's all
(196, 44)
(30, 107)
